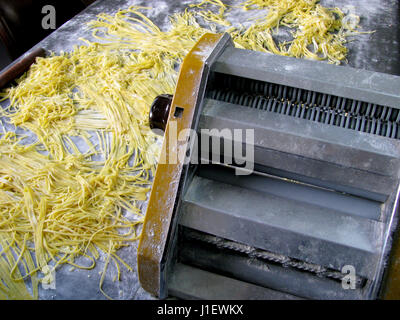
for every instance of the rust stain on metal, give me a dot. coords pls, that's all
(165, 186)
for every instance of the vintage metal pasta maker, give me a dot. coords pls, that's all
(321, 203)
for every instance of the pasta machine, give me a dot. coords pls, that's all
(314, 218)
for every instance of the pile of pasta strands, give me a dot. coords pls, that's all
(60, 201)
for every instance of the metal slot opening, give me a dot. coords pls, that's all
(294, 190)
(302, 222)
(178, 112)
(262, 268)
(310, 105)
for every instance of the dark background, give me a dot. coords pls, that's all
(21, 24)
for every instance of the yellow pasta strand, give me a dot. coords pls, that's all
(77, 188)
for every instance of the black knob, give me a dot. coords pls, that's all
(159, 111)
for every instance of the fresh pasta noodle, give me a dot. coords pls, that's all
(65, 195)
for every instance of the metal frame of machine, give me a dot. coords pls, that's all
(324, 194)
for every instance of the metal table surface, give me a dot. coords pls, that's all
(378, 51)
